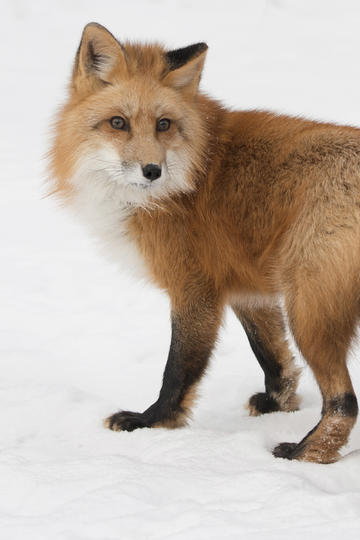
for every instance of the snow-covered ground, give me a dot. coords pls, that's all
(78, 340)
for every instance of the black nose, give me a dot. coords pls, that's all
(151, 171)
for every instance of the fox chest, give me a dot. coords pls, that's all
(108, 221)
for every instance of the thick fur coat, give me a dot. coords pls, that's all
(219, 207)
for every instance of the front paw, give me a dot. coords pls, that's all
(262, 403)
(126, 421)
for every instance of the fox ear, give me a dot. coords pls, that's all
(98, 55)
(185, 67)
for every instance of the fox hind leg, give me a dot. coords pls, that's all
(323, 334)
(265, 329)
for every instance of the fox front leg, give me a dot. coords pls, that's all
(265, 329)
(194, 331)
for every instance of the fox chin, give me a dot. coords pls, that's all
(243, 208)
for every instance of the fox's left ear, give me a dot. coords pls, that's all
(185, 67)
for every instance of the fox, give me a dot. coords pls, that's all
(253, 210)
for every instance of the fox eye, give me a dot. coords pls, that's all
(117, 122)
(163, 124)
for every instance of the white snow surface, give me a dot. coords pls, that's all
(80, 341)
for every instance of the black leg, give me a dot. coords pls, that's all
(194, 331)
(265, 330)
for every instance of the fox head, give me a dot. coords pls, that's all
(131, 128)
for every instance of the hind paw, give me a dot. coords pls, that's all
(306, 451)
(285, 450)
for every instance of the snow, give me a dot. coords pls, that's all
(79, 341)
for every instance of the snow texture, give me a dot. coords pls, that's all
(79, 340)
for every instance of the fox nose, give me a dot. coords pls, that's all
(151, 171)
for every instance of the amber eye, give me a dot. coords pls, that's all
(163, 124)
(117, 122)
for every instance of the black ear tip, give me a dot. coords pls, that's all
(180, 57)
(202, 46)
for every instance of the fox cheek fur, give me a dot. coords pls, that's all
(219, 208)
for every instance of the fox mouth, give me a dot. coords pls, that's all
(138, 185)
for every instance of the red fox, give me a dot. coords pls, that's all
(243, 208)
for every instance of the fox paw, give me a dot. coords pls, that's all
(285, 450)
(262, 403)
(312, 452)
(126, 421)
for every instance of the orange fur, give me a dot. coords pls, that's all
(269, 205)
